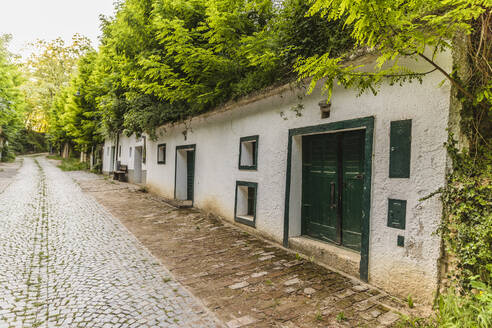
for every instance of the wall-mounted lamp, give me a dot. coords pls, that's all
(324, 107)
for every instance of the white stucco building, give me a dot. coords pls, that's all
(343, 186)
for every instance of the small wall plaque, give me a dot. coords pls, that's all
(400, 242)
(397, 213)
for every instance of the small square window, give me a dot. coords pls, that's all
(161, 154)
(245, 206)
(248, 153)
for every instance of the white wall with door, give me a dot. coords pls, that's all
(217, 136)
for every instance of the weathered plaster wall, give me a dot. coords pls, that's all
(409, 270)
(126, 158)
(108, 143)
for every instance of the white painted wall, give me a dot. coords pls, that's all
(216, 135)
(108, 143)
(125, 158)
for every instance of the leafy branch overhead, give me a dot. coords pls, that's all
(395, 29)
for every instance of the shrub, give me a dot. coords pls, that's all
(473, 310)
(72, 164)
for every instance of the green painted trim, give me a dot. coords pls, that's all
(368, 124)
(239, 219)
(165, 150)
(245, 139)
(193, 147)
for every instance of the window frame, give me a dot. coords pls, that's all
(242, 140)
(165, 150)
(240, 219)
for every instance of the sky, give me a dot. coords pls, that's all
(28, 20)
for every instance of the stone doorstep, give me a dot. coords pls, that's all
(339, 258)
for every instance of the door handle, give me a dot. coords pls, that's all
(332, 195)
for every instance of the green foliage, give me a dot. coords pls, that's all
(171, 60)
(11, 101)
(410, 302)
(48, 70)
(341, 317)
(453, 310)
(72, 164)
(165, 61)
(29, 141)
(55, 157)
(74, 108)
(303, 35)
(393, 29)
(467, 223)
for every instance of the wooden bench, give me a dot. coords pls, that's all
(120, 173)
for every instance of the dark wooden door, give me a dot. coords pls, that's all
(190, 173)
(352, 148)
(332, 186)
(320, 187)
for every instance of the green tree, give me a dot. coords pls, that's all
(48, 71)
(11, 100)
(165, 61)
(397, 29)
(80, 119)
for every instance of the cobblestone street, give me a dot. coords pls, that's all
(66, 262)
(244, 280)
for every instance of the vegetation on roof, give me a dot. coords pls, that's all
(165, 61)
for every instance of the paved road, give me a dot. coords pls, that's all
(66, 262)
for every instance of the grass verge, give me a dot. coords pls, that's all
(72, 164)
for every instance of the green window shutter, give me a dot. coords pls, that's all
(400, 147)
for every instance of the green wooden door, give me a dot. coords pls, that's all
(352, 148)
(190, 173)
(320, 194)
(332, 186)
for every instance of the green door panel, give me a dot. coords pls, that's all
(353, 187)
(320, 191)
(190, 173)
(332, 187)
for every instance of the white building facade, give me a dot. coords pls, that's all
(342, 183)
